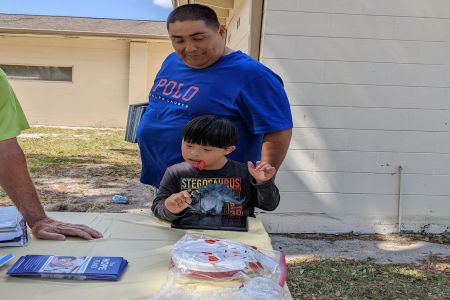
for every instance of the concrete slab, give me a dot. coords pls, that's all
(382, 252)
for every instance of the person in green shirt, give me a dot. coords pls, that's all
(15, 179)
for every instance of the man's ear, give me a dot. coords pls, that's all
(222, 31)
(230, 149)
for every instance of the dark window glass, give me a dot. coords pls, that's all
(38, 73)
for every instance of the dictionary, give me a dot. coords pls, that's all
(69, 267)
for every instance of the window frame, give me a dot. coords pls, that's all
(46, 79)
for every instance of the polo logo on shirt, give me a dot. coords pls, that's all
(175, 89)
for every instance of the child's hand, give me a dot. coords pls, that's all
(178, 202)
(262, 172)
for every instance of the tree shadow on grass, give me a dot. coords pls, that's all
(80, 166)
(74, 203)
(127, 152)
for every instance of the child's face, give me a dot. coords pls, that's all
(213, 157)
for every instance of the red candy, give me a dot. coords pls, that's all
(201, 165)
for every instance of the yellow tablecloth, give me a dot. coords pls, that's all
(144, 241)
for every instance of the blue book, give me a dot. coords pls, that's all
(5, 257)
(69, 267)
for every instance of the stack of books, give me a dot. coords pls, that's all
(135, 112)
(107, 268)
(13, 228)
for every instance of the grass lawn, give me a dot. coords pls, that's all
(61, 151)
(103, 155)
(345, 279)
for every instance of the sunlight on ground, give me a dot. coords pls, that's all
(409, 272)
(395, 246)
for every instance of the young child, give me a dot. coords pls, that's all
(207, 182)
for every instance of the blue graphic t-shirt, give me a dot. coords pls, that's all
(236, 87)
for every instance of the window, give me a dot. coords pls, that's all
(38, 73)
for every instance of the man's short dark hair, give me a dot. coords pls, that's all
(194, 12)
(211, 131)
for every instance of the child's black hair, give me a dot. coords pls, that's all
(211, 131)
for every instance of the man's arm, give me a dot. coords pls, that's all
(275, 146)
(16, 181)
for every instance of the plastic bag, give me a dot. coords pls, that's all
(203, 267)
(260, 288)
(257, 288)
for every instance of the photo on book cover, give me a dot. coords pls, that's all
(65, 264)
(69, 267)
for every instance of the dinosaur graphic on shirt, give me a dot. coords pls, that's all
(216, 198)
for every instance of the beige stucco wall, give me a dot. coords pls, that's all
(100, 92)
(145, 60)
(157, 52)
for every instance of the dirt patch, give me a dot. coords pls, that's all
(85, 194)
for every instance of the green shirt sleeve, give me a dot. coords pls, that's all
(12, 118)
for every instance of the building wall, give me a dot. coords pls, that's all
(244, 26)
(145, 61)
(157, 52)
(100, 91)
(369, 86)
(238, 27)
(137, 83)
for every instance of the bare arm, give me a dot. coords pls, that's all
(16, 181)
(275, 146)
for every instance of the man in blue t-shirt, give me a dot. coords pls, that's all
(205, 77)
